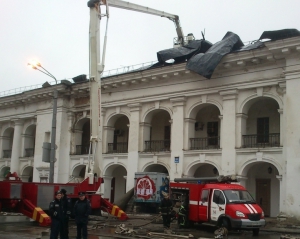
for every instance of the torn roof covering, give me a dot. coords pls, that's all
(203, 57)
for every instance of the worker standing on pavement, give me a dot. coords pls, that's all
(165, 209)
(56, 212)
(182, 216)
(82, 210)
(67, 205)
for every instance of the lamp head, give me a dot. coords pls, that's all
(34, 64)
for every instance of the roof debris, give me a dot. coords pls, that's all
(203, 57)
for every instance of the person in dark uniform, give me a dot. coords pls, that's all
(67, 205)
(82, 210)
(165, 209)
(56, 212)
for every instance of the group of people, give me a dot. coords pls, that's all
(60, 210)
(165, 209)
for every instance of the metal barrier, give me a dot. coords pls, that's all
(205, 143)
(261, 140)
(157, 145)
(117, 147)
(83, 149)
(7, 153)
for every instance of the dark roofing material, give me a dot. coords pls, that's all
(279, 34)
(203, 58)
(184, 53)
(205, 63)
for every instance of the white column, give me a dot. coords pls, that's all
(280, 111)
(221, 130)
(71, 118)
(283, 178)
(106, 188)
(133, 146)
(16, 147)
(1, 142)
(63, 140)
(177, 136)
(189, 129)
(241, 120)
(292, 135)
(108, 137)
(228, 134)
(145, 134)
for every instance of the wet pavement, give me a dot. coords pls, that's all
(105, 227)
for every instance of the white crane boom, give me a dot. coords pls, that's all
(97, 67)
(148, 10)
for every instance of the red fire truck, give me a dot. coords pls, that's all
(218, 201)
(33, 199)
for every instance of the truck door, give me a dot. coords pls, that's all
(217, 204)
(203, 205)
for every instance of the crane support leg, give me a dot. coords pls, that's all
(36, 213)
(113, 209)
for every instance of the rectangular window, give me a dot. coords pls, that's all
(212, 133)
(218, 197)
(263, 130)
(204, 195)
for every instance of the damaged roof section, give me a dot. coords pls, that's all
(205, 63)
(202, 57)
(180, 54)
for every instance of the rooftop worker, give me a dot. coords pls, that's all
(82, 210)
(67, 205)
(56, 212)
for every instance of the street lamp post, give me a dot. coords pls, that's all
(38, 66)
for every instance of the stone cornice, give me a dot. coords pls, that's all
(242, 115)
(44, 94)
(21, 117)
(145, 76)
(135, 107)
(229, 94)
(284, 45)
(189, 120)
(144, 124)
(178, 101)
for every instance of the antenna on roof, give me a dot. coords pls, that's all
(203, 34)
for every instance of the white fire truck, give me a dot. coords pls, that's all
(218, 201)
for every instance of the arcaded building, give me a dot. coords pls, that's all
(242, 120)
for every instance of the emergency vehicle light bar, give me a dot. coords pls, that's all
(221, 178)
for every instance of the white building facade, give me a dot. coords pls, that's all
(243, 121)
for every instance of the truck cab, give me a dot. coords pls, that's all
(222, 204)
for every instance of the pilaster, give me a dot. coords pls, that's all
(228, 131)
(16, 147)
(178, 135)
(189, 127)
(291, 140)
(133, 146)
(241, 120)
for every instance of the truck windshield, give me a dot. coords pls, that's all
(238, 196)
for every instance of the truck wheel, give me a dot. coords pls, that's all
(255, 232)
(225, 223)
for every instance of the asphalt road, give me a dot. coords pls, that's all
(106, 229)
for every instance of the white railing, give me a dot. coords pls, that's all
(118, 71)
(23, 89)
(126, 69)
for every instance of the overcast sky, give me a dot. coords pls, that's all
(56, 32)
